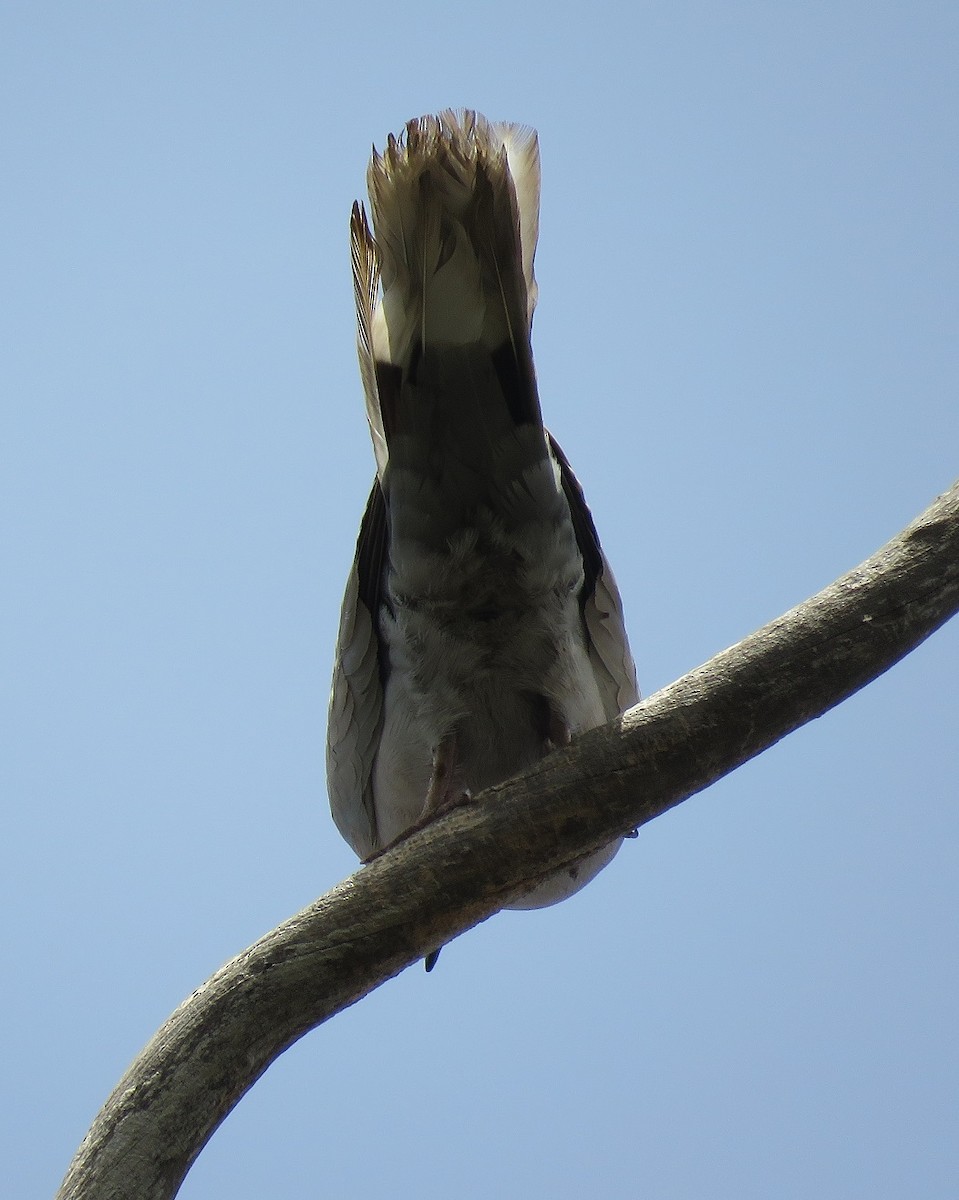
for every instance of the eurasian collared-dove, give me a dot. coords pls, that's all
(481, 625)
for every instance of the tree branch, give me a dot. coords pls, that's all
(467, 865)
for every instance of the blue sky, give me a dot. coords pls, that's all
(746, 343)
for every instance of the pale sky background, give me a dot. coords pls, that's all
(747, 345)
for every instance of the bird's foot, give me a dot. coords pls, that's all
(558, 732)
(429, 816)
(440, 790)
(441, 795)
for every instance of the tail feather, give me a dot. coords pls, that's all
(455, 210)
(366, 280)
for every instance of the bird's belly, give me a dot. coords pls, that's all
(498, 731)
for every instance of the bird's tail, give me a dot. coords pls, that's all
(449, 262)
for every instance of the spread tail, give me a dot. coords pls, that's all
(449, 261)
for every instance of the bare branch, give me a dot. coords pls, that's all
(467, 865)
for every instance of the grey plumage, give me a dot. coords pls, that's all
(481, 625)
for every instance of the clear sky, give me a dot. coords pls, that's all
(747, 345)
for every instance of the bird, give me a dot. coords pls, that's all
(481, 626)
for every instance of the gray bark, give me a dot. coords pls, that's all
(468, 864)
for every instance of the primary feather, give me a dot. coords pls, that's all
(481, 625)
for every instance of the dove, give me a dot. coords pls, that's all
(481, 626)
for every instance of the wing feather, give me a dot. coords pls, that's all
(356, 699)
(601, 605)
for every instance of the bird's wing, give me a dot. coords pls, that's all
(600, 602)
(356, 699)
